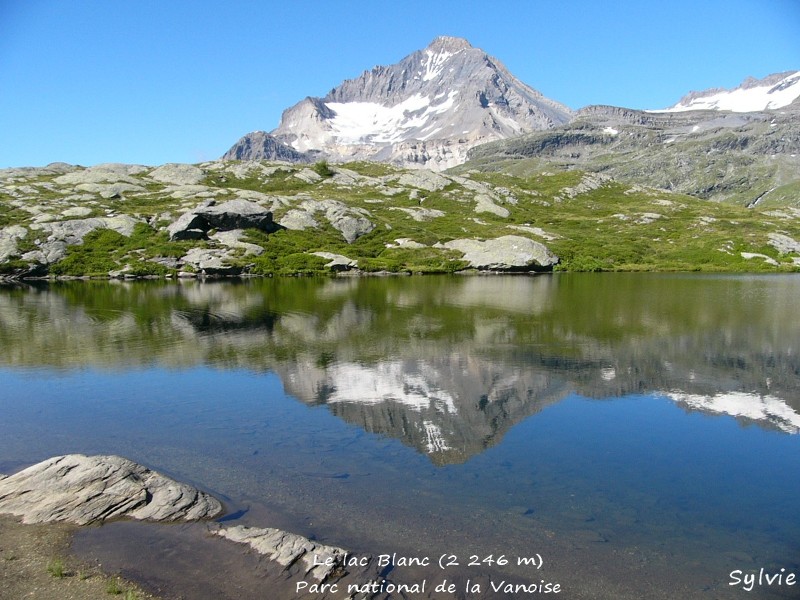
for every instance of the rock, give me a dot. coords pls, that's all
(110, 190)
(232, 239)
(76, 211)
(484, 203)
(288, 549)
(783, 243)
(505, 253)
(351, 222)
(420, 214)
(210, 261)
(234, 214)
(178, 174)
(189, 226)
(424, 179)
(237, 214)
(405, 243)
(351, 227)
(91, 489)
(67, 233)
(536, 231)
(8, 240)
(308, 176)
(767, 259)
(99, 174)
(298, 220)
(338, 262)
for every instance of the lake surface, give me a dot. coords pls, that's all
(639, 432)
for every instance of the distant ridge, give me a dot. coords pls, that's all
(770, 93)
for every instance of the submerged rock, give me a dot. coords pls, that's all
(91, 489)
(288, 549)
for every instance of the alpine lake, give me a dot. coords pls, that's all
(619, 436)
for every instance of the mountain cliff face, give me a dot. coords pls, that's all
(427, 110)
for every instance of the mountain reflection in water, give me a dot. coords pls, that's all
(585, 417)
(445, 364)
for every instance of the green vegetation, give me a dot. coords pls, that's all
(56, 568)
(592, 223)
(322, 169)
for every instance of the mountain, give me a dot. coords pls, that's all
(260, 145)
(772, 92)
(745, 158)
(427, 110)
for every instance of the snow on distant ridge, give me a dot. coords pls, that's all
(770, 93)
(741, 404)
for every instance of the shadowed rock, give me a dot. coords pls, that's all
(91, 489)
(234, 214)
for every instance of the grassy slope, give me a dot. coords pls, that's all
(611, 227)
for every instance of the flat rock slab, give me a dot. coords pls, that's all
(91, 489)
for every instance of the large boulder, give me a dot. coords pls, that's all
(178, 174)
(90, 489)
(234, 214)
(505, 253)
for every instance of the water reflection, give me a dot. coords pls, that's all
(445, 364)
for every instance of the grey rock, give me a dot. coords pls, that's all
(424, 179)
(420, 214)
(189, 226)
(484, 203)
(352, 227)
(91, 489)
(211, 261)
(8, 240)
(505, 253)
(338, 262)
(237, 214)
(76, 211)
(259, 145)
(308, 176)
(232, 239)
(61, 234)
(98, 174)
(298, 220)
(783, 243)
(289, 549)
(110, 190)
(352, 223)
(234, 214)
(178, 174)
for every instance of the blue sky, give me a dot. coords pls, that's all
(91, 81)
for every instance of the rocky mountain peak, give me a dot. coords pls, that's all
(427, 110)
(446, 43)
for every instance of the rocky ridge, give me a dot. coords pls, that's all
(748, 158)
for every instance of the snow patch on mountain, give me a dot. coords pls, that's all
(390, 381)
(370, 122)
(772, 92)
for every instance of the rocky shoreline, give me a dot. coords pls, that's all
(73, 491)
